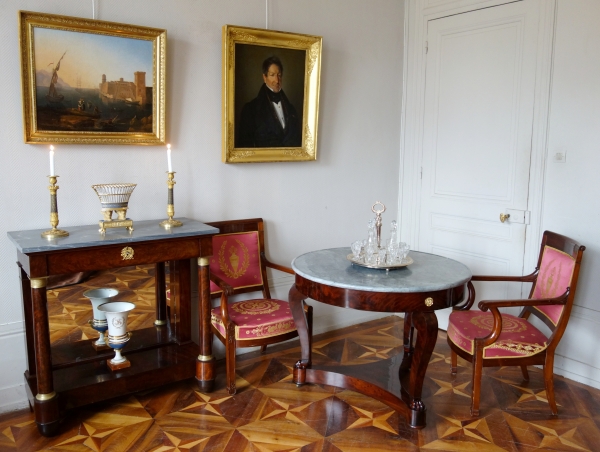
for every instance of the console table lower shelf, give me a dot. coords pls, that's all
(89, 382)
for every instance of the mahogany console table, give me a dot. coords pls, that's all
(75, 374)
(431, 282)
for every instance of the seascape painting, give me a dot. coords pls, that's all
(91, 82)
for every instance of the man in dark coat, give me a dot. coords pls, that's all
(270, 120)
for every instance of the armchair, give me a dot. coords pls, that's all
(489, 338)
(239, 265)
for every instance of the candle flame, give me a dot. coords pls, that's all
(168, 146)
(51, 147)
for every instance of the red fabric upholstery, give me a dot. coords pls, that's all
(236, 260)
(255, 319)
(556, 272)
(518, 338)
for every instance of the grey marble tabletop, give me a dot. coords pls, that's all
(428, 272)
(31, 241)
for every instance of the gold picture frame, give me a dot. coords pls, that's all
(251, 131)
(76, 77)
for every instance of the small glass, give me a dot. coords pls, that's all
(391, 255)
(381, 256)
(356, 248)
(403, 252)
(370, 254)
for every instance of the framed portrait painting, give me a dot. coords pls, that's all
(91, 82)
(270, 95)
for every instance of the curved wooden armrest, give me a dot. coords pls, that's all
(226, 288)
(470, 299)
(526, 278)
(281, 268)
(494, 304)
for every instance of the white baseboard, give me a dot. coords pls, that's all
(12, 386)
(577, 356)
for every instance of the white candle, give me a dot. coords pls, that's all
(51, 160)
(169, 158)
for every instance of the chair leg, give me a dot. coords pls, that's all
(263, 348)
(453, 362)
(525, 373)
(230, 359)
(477, 371)
(549, 383)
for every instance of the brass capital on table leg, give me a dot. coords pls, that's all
(204, 261)
(44, 397)
(39, 283)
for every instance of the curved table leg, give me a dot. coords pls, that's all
(412, 371)
(296, 299)
(408, 342)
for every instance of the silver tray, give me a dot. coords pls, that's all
(405, 262)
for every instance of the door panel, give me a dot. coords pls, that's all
(479, 99)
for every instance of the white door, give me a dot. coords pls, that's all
(479, 102)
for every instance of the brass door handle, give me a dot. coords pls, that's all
(504, 217)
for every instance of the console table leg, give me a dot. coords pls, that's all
(427, 328)
(296, 300)
(205, 364)
(160, 294)
(46, 400)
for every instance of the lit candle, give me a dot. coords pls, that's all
(169, 158)
(51, 160)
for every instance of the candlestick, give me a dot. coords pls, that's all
(169, 166)
(53, 233)
(170, 223)
(51, 160)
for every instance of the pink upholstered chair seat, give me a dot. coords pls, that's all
(518, 338)
(256, 319)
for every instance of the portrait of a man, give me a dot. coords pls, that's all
(270, 95)
(269, 110)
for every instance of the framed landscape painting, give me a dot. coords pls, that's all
(270, 95)
(91, 82)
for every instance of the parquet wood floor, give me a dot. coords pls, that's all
(269, 413)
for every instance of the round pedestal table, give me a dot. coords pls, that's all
(431, 282)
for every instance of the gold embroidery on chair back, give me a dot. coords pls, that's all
(229, 258)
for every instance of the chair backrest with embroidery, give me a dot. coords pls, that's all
(558, 265)
(237, 258)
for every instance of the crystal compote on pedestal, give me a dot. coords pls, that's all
(114, 198)
(98, 297)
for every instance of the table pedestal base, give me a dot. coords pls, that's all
(410, 367)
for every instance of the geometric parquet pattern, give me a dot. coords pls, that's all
(269, 413)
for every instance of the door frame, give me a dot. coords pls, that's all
(417, 14)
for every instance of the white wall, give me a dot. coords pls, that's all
(572, 189)
(306, 206)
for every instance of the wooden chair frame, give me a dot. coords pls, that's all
(229, 339)
(546, 356)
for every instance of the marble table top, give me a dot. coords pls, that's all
(31, 241)
(429, 272)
